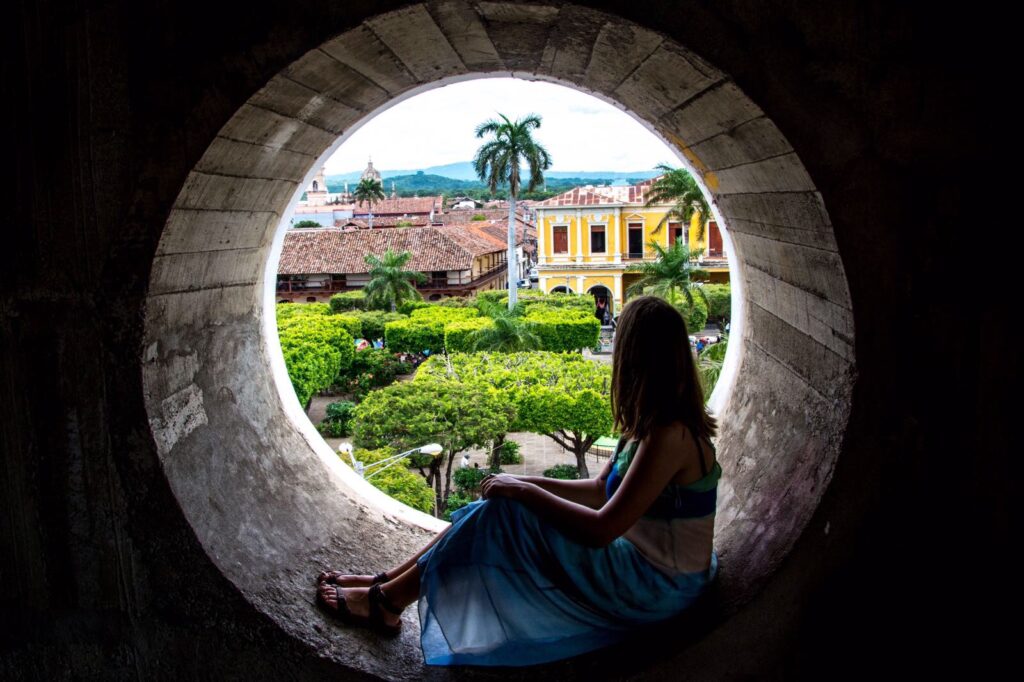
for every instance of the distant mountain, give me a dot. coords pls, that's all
(463, 170)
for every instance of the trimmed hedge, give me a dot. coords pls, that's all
(350, 300)
(406, 307)
(458, 334)
(532, 297)
(414, 336)
(563, 329)
(373, 322)
(443, 313)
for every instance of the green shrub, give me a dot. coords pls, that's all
(509, 453)
(564, 472)
(458, 335)
(467, 479)
(316, 349)
(455, 501)
(371, 368)
(406, 307)
(397, 481)
(414, 336)
(696, 315)
(443, 313)
(350, 300)
(479, 216)
(373, 322)
(338, 421)
(719, 301)
(286, 311)
(307, 223)
(563, 329)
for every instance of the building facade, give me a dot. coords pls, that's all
(589, 236)
(317, 263)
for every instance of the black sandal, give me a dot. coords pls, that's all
(374, 621)
(330, 577)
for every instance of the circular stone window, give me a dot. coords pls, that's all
(271, 503)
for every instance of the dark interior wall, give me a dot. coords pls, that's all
(110, 106)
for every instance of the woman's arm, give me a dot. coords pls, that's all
(656, 461)
(588, 491)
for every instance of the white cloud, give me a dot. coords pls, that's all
(580, 132)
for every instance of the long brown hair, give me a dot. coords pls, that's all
(654, 378)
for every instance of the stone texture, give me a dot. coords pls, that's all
(416, 40)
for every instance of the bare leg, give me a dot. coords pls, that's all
(401, 590)
(346, 580)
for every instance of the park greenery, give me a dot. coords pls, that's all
(396, 479)
(492, 370)
(459, 416)
(562, 396)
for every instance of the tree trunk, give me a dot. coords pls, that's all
(496, 452)
(513, 266)
(448, 477)
(581, 461)
(438, 500)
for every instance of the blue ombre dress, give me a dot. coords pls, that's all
(503, 588)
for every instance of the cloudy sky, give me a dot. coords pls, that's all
(435, 128)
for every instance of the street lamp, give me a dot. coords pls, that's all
(432, 449)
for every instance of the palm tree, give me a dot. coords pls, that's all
(390, 283)
(369, 191)
(677, 187)
(709, 364)
(498, 162)
(670, 273)
(509, 334)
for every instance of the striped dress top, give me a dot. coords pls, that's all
(676, 533)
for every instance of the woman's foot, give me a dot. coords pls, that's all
(358, 602)
(348, 580)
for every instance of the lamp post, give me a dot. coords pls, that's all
(432, 449)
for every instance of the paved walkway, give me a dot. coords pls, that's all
(538, 453)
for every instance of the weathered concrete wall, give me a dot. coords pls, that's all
(103, 574)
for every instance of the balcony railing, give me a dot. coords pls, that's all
(338, 286)
(302, 287)
(463, 280)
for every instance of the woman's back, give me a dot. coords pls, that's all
(676, 533)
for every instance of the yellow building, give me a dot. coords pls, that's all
(588, 236)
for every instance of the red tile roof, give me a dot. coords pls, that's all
(384, 221)
(331, 250)
(590, 195)
(402, 206)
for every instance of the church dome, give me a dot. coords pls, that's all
(370, 172)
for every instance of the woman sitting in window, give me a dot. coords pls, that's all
(543, 569)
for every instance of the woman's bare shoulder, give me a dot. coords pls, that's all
(675, 440)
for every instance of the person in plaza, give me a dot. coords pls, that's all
(543, 569)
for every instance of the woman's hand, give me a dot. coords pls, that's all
(503, 485)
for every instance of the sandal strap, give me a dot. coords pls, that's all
(377, 597)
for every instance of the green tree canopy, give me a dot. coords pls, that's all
(499, 162)
(562, 396)
(411, 414)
